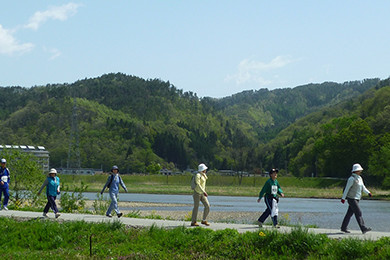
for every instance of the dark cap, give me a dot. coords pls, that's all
(274, 170)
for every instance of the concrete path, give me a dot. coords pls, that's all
(140, 222)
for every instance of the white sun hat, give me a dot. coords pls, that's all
(52, 170)
(357, 168)
(202, 167)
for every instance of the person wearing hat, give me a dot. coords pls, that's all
(52, 184)
(353, 193)
(4, 183)
(112, 183)
(200, 194)
(270, 191)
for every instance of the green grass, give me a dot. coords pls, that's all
(45, 239)
(220, 185)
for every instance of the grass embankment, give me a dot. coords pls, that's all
(44, 239)
(220, 185)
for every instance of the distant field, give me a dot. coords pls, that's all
(219, 185)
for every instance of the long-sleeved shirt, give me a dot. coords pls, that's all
(271, 187)
(354, 188)
(200, 183)
(5, 177)
(114, 185)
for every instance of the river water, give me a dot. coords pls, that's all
(324, 213)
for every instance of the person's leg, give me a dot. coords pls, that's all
(111, 207)
(1, 193)
(347, 217)
(358, 214)
(52, 202)
(115, 200)
(6, 197)
(196, 197)
(274, 212)
(206, 205)
(47, 207)
(267, 212)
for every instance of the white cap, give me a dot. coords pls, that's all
(3, 160)
(357, 168)
(52, 170)
(202, 167)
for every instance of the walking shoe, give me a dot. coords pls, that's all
(57, 215)
(204, 222)
(45, 215)
(119, 215)
(276, 226)
(345, 230)
(194, 224)
(109, 215)
(364, 231)
(5, 208)
(260, 223)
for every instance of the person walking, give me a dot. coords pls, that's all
(353, 193)
(52, 184)
(4, 183)
(112, 183)
(200, 194)
(270, 191)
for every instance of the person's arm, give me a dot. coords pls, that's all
(365, 190)
(105, 185)
(58, 188)
(263, 191)
(347, 188)
(280, 191)
(43, 186)
(122, 184)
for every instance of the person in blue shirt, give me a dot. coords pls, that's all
(4, 183)
(112, 183)
(52, 184)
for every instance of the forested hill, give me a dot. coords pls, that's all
(329, 141)
(139, 123)
(271, 111)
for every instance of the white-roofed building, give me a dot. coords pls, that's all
(41, 154)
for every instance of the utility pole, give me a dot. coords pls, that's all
(74, 144)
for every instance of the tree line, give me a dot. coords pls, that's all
(138, 124)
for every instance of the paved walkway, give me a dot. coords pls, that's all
(140, 222)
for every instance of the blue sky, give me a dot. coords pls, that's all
(212, 48)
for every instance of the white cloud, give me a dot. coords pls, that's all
(56, 13)
(9, 45)
(251, 70)
(54, 53)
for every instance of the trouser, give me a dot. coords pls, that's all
(197, 198)
(5, 191)
(114, 204)
(51, 203)
(269, 201)
(353, 209)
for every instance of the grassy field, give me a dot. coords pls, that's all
(45, 239)
(220, 185)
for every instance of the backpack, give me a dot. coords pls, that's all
(193, 184)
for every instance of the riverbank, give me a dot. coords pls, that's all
(293, 187)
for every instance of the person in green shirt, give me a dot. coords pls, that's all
(270, 191)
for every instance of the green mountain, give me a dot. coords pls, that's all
(138, 124)
(329, 141)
